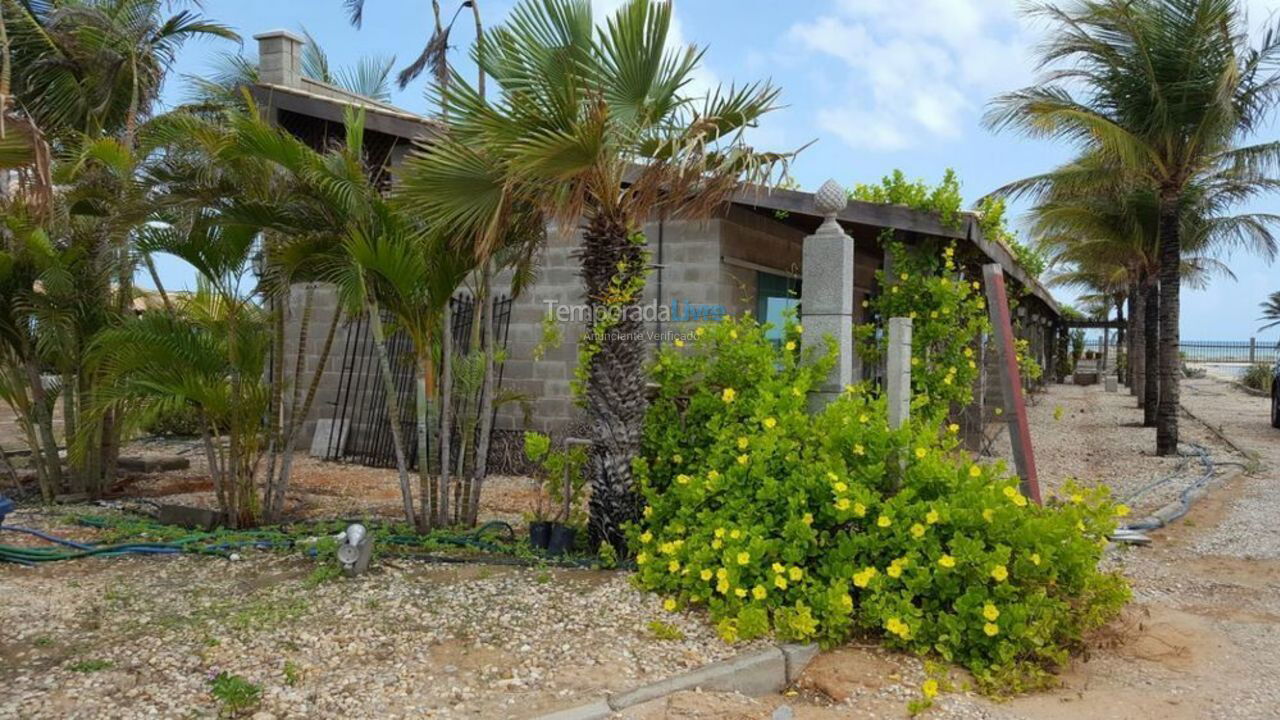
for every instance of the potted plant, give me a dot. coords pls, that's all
(537, 447)
(560, 479)
(566, 483)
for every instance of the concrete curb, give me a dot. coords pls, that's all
(756, 673)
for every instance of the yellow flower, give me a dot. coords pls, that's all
(917, 531)
(1000, 573)
(770, 422)
(859, 509)
(705, 575)
(991, 629)
(921, 452)
(722, 586)
(975, 471)
(642, 558)
(791, 345)
(673, 566)
(669, 605)
(894, 571)
(722, 574)
(683, 479)
(779, 568)
(743, 442)
(968, 352)
(699, 332)
(988, 514)
(733, 334)
(719, 532)
(744, 558)
(795, 574)
(990, 612)
(1122, 510)
(740, 592)
(903, 276)
(894, 289)
(744, 459)
(863, 418)
(677, 459)
(842, 504)
(840, 487)
(678, 342)
(735, 534)
(976, 285)
(807, 519)
(914, 360)
(647, 511)
(758, 592)
(1020, 500)
(929, 689)
(646, 537)
(858, 450)
(712, 475)
(846, 601)
(728, 395)
(947, 561)
(667, 548)
(1077, 498)
(1035, 558)
(884, 521)
(862, 578)
(799, 329)
(717, 544)
(780, 582)
(932, 517)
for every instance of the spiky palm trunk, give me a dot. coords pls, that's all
(1170, 288)
(1151, 351)
(488, 391)
(615, 382)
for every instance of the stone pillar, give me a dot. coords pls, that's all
(280, 58)
(826, 297)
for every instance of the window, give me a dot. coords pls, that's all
(775, 294)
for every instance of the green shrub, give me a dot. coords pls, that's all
(1258, 377)
(816, 527)
(183, 421)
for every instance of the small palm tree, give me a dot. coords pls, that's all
(592, 127)
(1164, 89)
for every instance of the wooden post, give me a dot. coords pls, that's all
(898, 371)
(1015, 408)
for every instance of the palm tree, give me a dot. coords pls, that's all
(1270, 311)
(1163, 89)
(434, 55)
(592, 126)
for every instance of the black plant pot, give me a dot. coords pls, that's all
(561, 539)
(540, 534)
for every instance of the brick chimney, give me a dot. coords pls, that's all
(280, 58)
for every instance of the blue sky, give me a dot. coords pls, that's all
(878, 84)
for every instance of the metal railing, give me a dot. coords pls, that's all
(1214, 351)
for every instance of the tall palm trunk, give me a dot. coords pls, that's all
(1170, 288)
(487, 399)
(615, 383)
(1151, 350)
(1131, 341)
(393, 406)
(446, 399)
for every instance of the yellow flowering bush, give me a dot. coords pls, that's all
(807, 538)
(948, 315)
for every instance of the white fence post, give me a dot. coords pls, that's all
(898, 371)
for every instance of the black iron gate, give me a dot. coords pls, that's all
(361, 430)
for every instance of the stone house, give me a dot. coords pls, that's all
(745, 258)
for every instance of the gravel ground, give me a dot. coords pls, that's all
(1201, 640)
(143, 637)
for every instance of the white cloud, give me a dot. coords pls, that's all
(912, 71)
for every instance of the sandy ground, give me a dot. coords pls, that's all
(1202, 638)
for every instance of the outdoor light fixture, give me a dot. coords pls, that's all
(355, 547)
